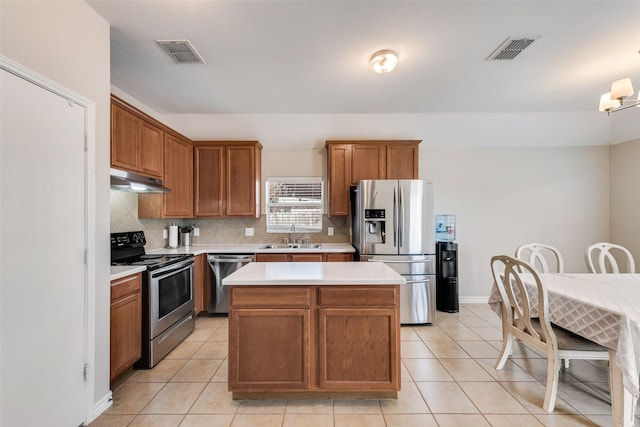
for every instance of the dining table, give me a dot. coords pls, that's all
(604, 308)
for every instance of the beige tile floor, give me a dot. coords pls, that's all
(448, 379)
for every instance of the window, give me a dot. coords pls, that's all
(294, 201)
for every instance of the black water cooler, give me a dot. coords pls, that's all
(447, 277)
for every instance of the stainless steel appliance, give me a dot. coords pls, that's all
(167, 295)
(393, 222)
(222, 266)
(135, 183)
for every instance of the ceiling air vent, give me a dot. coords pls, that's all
(181, 51)
(511, 48)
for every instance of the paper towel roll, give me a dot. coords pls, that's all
(173, 236)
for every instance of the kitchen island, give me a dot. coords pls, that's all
(314, 330)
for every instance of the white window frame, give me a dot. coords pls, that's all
(304, 222)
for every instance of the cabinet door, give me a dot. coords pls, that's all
(358, 349)
(306, 257)
(367, 162)
(241, 181)
(200, 283)
(125, 147)
(151, 150)
(338, 257)
(178, 176)
(339, 172)
(209, 181)
(402, 161)
(272, 257)
(126, 323)
(269, 349)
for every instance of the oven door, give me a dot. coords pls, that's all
(170, 296)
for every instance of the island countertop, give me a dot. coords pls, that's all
(314, 273)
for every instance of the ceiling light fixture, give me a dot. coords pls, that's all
(616, 100)
(383, 61)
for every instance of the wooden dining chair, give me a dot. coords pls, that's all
(530, 324)
(538, 255)
(602, 258)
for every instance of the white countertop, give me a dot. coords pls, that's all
(314, 273)
(120, 271)
(251, 249)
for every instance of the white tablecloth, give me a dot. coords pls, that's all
(604, 308)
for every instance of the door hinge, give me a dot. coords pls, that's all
(86, 256)
(86, 142)
(85, 371)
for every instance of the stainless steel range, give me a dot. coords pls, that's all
(167, 295)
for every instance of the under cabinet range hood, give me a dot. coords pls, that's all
(135, 183)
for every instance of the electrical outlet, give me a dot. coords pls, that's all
(165, 233)
(248, 231)
(196, 231)
(330, 231)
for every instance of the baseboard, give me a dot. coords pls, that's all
(474, 300)
(101, 406)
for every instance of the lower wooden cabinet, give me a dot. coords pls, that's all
(126, 323)
(305, 257)
(338, 257)
(201, 277)
(320, 340)
(284, 333)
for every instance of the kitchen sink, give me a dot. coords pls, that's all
(292, 246)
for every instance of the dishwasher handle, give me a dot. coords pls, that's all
(230, 259)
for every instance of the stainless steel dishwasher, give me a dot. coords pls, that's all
(222, 266)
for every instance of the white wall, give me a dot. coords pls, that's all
(68, 42)
(625, 196)
(287, 131)
(504, 197)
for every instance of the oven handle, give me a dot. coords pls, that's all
(164, 273)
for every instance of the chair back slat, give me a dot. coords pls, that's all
(521, 303)
(538, 255)
(601, 258)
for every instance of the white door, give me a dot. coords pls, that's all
(43, 287)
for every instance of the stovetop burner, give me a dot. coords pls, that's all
(128, 249)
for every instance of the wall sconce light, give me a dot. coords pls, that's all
(383, 61)
(616, 100)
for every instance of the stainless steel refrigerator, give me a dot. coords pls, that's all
(393, 221)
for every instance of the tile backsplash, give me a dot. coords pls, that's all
(124, 217)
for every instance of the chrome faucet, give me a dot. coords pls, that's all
(293, 234)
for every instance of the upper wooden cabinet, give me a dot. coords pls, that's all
(352, 161)
(178, 177)
(136, 142)
(227, 178)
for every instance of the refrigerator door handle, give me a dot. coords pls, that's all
(401, 219)
(395, 218)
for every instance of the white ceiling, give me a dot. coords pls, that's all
(312, 56)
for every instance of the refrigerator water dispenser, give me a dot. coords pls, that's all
(375, 232)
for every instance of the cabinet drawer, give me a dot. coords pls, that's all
(125, 286)
(271, 297)
(366, 296)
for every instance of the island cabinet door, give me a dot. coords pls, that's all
(358, 349)
(269, 349)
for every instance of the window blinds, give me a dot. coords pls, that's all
(294, 201)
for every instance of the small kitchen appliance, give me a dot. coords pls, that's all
(393, 222)
(167, 295)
